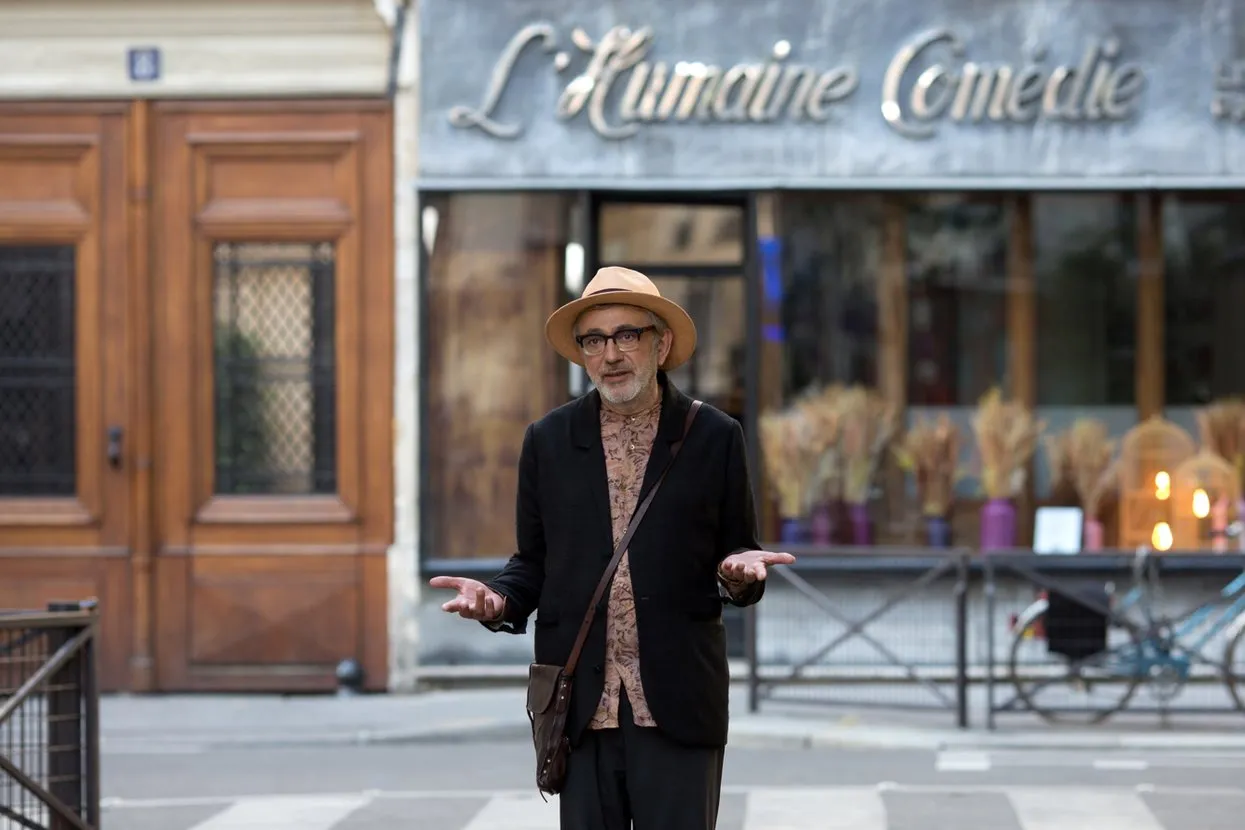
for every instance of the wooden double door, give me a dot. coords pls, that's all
(196, 348)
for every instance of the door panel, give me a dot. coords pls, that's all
(65, 487)
(274, 370)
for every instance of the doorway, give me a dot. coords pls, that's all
(696, 253)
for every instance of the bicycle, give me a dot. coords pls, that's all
(1157, 650)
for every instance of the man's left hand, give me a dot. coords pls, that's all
(750, 565)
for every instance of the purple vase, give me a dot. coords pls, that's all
(998, 525)
(938, 532)
(794, 531)
(862, 529)
(821, 525)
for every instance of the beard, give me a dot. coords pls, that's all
(618, 394)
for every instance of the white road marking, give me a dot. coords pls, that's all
(846, 808)
(962, 762)
(1068, 808)
(302, 812)
(1130, 764)
(516, 812)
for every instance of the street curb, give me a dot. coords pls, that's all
(748, 737)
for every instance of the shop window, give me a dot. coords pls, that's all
(37, 370)
(639, 234)
(833, 250)
(957, 249)
(1204, 293)
(275, 368)
(958, 286)
(495, 271)
(1085, 263)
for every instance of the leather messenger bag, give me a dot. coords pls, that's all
(549, 686)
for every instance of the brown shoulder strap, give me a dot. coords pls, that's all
(573, 661)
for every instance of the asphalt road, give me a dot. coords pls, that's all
(479, 785)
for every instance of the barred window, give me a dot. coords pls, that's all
(275, 378)
(38, 422)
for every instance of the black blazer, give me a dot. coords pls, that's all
(703, 513)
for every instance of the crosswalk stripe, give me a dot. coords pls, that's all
(849, 808)
(284, 813)
(516, 812)
(962, 762)
(1067, 808)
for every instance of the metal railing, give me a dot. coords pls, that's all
(1091, 645)
(1060, 639)
(819, 650)
(49, 718)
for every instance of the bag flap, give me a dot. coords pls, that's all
(542, 687)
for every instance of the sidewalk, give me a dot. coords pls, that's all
(191, 723)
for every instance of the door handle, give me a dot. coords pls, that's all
(114, 447)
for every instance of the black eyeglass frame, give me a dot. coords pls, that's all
(638, 331)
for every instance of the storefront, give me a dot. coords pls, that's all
(197, 288)
(929, 200)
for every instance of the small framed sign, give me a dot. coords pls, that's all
(144, 64)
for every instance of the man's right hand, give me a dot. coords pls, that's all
(475, 600)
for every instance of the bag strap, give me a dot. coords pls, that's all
(573, 661)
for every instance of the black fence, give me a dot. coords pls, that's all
(1056, 639)
(49, 719)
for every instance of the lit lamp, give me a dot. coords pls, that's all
(1201, 510)
(1161, 538)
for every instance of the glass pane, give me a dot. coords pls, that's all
(832, 256)
(957, 300)
(715, 372)
(276, 368)
(38, 421)
(638, 234)
(1204, 295)
(1086, 267)
(495, 273)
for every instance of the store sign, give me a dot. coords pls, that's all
(1099, 87)
(833, 93)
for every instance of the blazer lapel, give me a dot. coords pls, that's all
(674, 407)
(589, 461)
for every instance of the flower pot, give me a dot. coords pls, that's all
(794, 530)
(1093, 535)
(938, 531)
(821, 525)
(998, 525)
(862, 528)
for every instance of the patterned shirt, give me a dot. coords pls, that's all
(627, 440)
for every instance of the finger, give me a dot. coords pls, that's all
(453, 606)
(758, 572)
(777, 558)
(446, 582)
(479, 607)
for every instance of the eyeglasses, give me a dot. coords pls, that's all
(627, 340)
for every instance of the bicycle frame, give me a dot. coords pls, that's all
(1232, 615)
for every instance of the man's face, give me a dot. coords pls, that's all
(621, 376)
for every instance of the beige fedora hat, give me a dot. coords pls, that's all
(613, 285)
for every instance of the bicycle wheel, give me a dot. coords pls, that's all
(1234, 667)
(1082, 689)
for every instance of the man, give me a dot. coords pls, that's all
(648, 715)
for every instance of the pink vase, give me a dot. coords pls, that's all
(1093, 535)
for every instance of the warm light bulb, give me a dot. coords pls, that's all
(1162, 486)
(1162, 537)
(1201, 503)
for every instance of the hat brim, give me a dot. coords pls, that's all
(560, 327)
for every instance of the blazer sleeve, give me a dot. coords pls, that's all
(739, 518)
(523, 577)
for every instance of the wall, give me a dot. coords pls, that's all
(699, 93)
(236, 48)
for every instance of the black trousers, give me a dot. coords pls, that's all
(635, 778)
